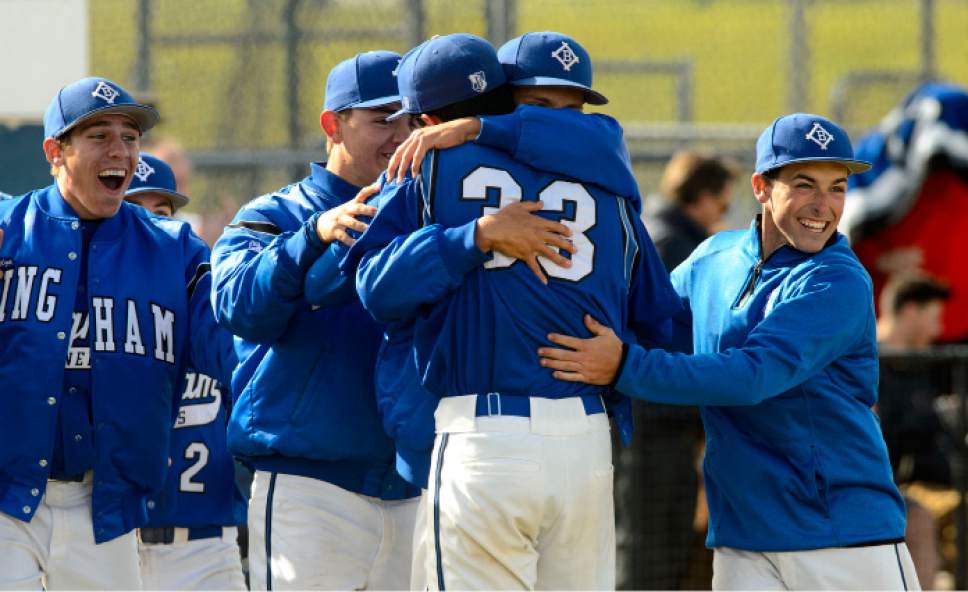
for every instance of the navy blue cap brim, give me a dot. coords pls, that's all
(178, 200)
(372, 103)
(854, 166)
(146, 117)
(591, 97)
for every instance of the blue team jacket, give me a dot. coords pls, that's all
(304, 401)
(785, 369)
(200, 489)
(149, 279)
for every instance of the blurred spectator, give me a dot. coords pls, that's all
(656, 478)
(697, 191)
(211, 217)
(910, 212)
(920, 447)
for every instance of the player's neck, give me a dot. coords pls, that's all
(341, 165)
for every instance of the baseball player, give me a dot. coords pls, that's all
(327, 510)
(189, 542)
(406, 407)
(499, 514)
(84, 438)
(781, 323)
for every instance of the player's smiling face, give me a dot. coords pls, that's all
(368, 141)
(802, 206)
(96, 164)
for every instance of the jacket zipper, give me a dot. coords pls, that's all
(750, 284)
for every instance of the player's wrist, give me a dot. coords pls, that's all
(482, 237)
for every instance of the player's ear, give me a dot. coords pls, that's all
(762, 187)
(430, 119)
(332, 126)
(54, 152)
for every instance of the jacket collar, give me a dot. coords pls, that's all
(51, 202)
(328, 187)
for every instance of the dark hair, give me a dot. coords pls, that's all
(912, 289)
(772, 174)
(499, 101)
(688, 174)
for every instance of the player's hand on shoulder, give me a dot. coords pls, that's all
(516, 231)
(595, 360)
(333, 224)
(410, 154)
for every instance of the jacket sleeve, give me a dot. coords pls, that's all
(587, 147)
(400, 265)
(258, 273)
(823, 318)
(653, 302)
(211, 346)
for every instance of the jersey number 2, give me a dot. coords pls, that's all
(554, 196)
(194, 450)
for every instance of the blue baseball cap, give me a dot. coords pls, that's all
(153, 175)
(364, 81)
(549, 59)
(804, 137)
(446, 70)
(89, 97)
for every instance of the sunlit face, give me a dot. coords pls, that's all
(95, 164)
(158, 204)
(555, 97)
(803, 205)
(367, 141)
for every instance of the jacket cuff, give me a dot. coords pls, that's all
(459, 251)
(500, 131)
(621, 366)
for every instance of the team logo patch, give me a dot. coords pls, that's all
(566, 56)
(143, 171)
(255, 246)
(105, 92)
(819, 136)
(478, 81)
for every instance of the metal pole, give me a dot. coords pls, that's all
(959, 385)
(292, 78)
(500, 20)
(142, 65)
(416, 19)
(799, 71)
(928, 64)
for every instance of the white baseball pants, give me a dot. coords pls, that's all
(323, 537)
(203, 564)
(880, 567)
(56, 550)
(521, 502)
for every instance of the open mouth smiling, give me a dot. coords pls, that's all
(112, 178)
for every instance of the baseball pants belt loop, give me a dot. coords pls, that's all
(498, 404)
(169, 535)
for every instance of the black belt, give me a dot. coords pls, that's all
(166, 535)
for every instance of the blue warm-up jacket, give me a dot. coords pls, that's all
(304, 401)
(149, 283)
(785, 368)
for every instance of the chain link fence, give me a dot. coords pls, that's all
(240, 82)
